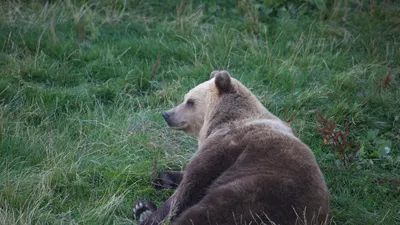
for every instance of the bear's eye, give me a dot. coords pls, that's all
(190, 103)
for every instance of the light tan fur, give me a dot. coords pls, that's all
(205, 95)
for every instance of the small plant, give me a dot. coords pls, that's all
(250, 11)
(375, 148)
(342, 146)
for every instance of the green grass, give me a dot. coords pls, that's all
(80, 105)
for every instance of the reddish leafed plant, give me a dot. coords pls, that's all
(339, 140)
(383, 83)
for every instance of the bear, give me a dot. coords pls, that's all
(249, 168)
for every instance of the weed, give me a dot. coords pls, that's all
(376, 149)
(340, 141)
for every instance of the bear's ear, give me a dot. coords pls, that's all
(222, 80)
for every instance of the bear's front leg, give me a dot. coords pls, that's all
(167, 180)
(209, 163)
(144, 209)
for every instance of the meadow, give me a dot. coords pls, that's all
(83, 85)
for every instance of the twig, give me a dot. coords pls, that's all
(53, 33)
(81, 32)
(153, 73)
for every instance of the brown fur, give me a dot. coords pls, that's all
(249, 165)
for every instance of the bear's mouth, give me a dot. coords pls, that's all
(182, 126)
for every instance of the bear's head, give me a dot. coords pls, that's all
(222, 99)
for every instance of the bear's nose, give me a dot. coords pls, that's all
(165, 115)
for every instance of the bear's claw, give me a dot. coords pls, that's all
(142, 209)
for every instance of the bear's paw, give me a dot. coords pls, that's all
(142, 209)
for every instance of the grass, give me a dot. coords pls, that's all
(81, 98)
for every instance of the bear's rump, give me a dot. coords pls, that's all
(255, 198)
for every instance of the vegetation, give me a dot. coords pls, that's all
(83, 85)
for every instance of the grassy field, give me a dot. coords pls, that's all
(83, 85)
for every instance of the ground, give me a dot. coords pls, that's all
(83, 85)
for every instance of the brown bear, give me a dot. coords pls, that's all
(250, 168)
